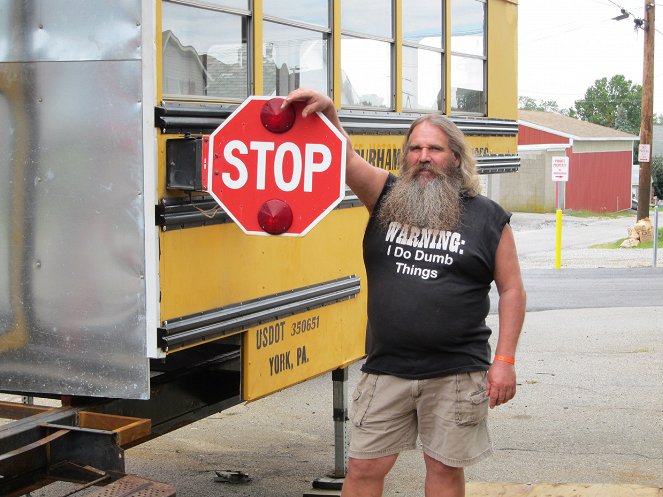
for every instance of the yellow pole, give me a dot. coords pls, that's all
(558, 240)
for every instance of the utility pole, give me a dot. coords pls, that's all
(644, 183)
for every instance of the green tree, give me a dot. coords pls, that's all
(657, 176)
(529, 103)
(621, 118)
(615, 103)
(570, 112)
(550, 105)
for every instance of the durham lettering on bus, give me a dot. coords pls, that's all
(380, 157)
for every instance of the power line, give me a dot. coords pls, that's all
(638, 22)
(615, 4)
(625, 14)
(620, 6)
(622, 9)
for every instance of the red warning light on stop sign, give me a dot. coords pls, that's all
(299, 163)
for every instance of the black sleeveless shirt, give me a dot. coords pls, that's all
(428, 292)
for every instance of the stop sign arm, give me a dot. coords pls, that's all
(365, 180)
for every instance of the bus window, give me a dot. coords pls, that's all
(366, 53)
(366, 72)
(293, 57)
(369, 17)
(422, 22)
(468, 62)
(423, 56)
(233, 4)
(422, 80)
(204, 52)
(315, 12)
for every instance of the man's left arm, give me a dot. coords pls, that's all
(501, 385)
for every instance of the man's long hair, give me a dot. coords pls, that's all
(470, 185)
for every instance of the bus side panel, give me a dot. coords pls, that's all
(503, 59)
(211, 267)
(293, 349)
(72, 261)
(384, 150)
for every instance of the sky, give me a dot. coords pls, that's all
(564, 46)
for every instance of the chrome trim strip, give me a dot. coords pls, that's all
(176, 117)
(492, 164)
(173, 214)
(213, 324)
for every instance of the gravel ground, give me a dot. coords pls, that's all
(595, 258)
(535, 239)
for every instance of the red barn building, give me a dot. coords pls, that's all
(600, 165)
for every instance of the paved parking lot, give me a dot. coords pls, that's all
(587, 419)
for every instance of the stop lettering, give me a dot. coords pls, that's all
(261, 176)
(287, 156)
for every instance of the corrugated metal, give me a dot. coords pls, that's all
(599, 182)
(531, 136)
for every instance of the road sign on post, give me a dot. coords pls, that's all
(273, 171)
(560, 173)
(644, 152)
(560, 168)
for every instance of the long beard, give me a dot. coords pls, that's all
(434, 204)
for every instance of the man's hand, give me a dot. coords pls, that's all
(501, 383)
(313, 102)
(365, 180)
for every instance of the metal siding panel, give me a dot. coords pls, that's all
(594, 146)
(532, 136)
(190, 259)
(67, 30)
(74, 320)
(599, 182)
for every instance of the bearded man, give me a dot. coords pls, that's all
(432, 248)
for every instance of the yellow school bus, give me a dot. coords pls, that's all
(384, 63)
(119, 276)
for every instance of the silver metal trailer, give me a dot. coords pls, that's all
(80, 316)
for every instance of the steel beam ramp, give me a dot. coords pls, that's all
(134, 486)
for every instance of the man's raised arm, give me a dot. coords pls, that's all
(366, 181)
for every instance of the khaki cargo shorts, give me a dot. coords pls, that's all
(448, 414)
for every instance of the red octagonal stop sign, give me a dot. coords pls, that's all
(260, 177)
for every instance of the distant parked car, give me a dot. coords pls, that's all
(634, 202)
